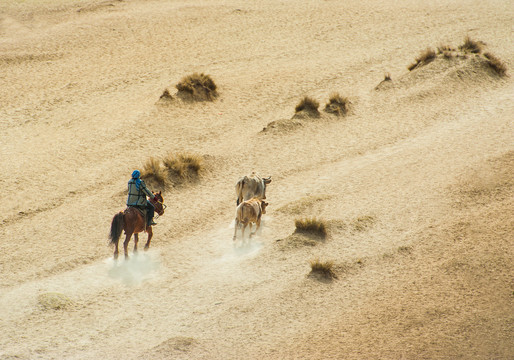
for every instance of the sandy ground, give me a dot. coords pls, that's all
(415, 183)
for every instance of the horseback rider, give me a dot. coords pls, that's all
(137, 193)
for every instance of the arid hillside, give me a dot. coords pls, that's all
(387, 130)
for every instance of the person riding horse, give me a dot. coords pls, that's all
(137, 193)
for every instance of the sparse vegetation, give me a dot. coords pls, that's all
(199, 87)
(154, 172)
(323, 268)
(54, 301)
(166, 95)
(496, 64)
(448, 55)
(424, 58)
(468, 49)
(471, 46)
(311, 226)
(385, 83)
(337, 105)
(363, 223)
(297, 241)
(405, 249)
(445, 48)
(300, 206)
(308, 105)
(183, 165)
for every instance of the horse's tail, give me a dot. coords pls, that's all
(116, 228)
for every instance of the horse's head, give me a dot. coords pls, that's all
(159, 204)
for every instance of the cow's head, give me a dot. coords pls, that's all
(263, 206)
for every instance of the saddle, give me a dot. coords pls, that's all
(142, 210)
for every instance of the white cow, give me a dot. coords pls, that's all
(251, 186)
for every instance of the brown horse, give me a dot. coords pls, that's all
(132, 222)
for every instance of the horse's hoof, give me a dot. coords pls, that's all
(115, 256)
(147, 247)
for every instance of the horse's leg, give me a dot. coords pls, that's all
(150, 234)
(116, 250)
(136, 239)
(125, 243)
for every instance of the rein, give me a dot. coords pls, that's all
(156, 216)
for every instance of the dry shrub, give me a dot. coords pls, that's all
(298, 207)
(424, 58)
(54, 301)
(363, 223)
(448, 55)
(445, 48)
(386, 83)
(471, 46)
(308, 104)
(311, 226)
(298, 241)
(199, 87)
(154, 172)
(447, 51)
(323, 268)
(184, 165)
(337, 105)
(166, 95)
(496, 64)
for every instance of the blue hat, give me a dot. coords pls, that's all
(135, 175)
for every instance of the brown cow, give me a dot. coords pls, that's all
(251, 186)
(248, 212)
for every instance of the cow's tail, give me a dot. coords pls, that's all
(116, 228)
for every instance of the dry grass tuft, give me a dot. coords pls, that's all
(471, 46)
(448, 55)
(447, 51)
(496, 64)
(386, 83)
(166, 95)
(323, 268)
(363, 223)
(424, 58)
(445, 48)
(154, 172)
(311, 226)
(198, 87)
(184, 165)
(304, 204)
(309, 105)
(298, 241)
(54, 301)
(337, 105)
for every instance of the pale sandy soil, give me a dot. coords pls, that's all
(415, 184)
